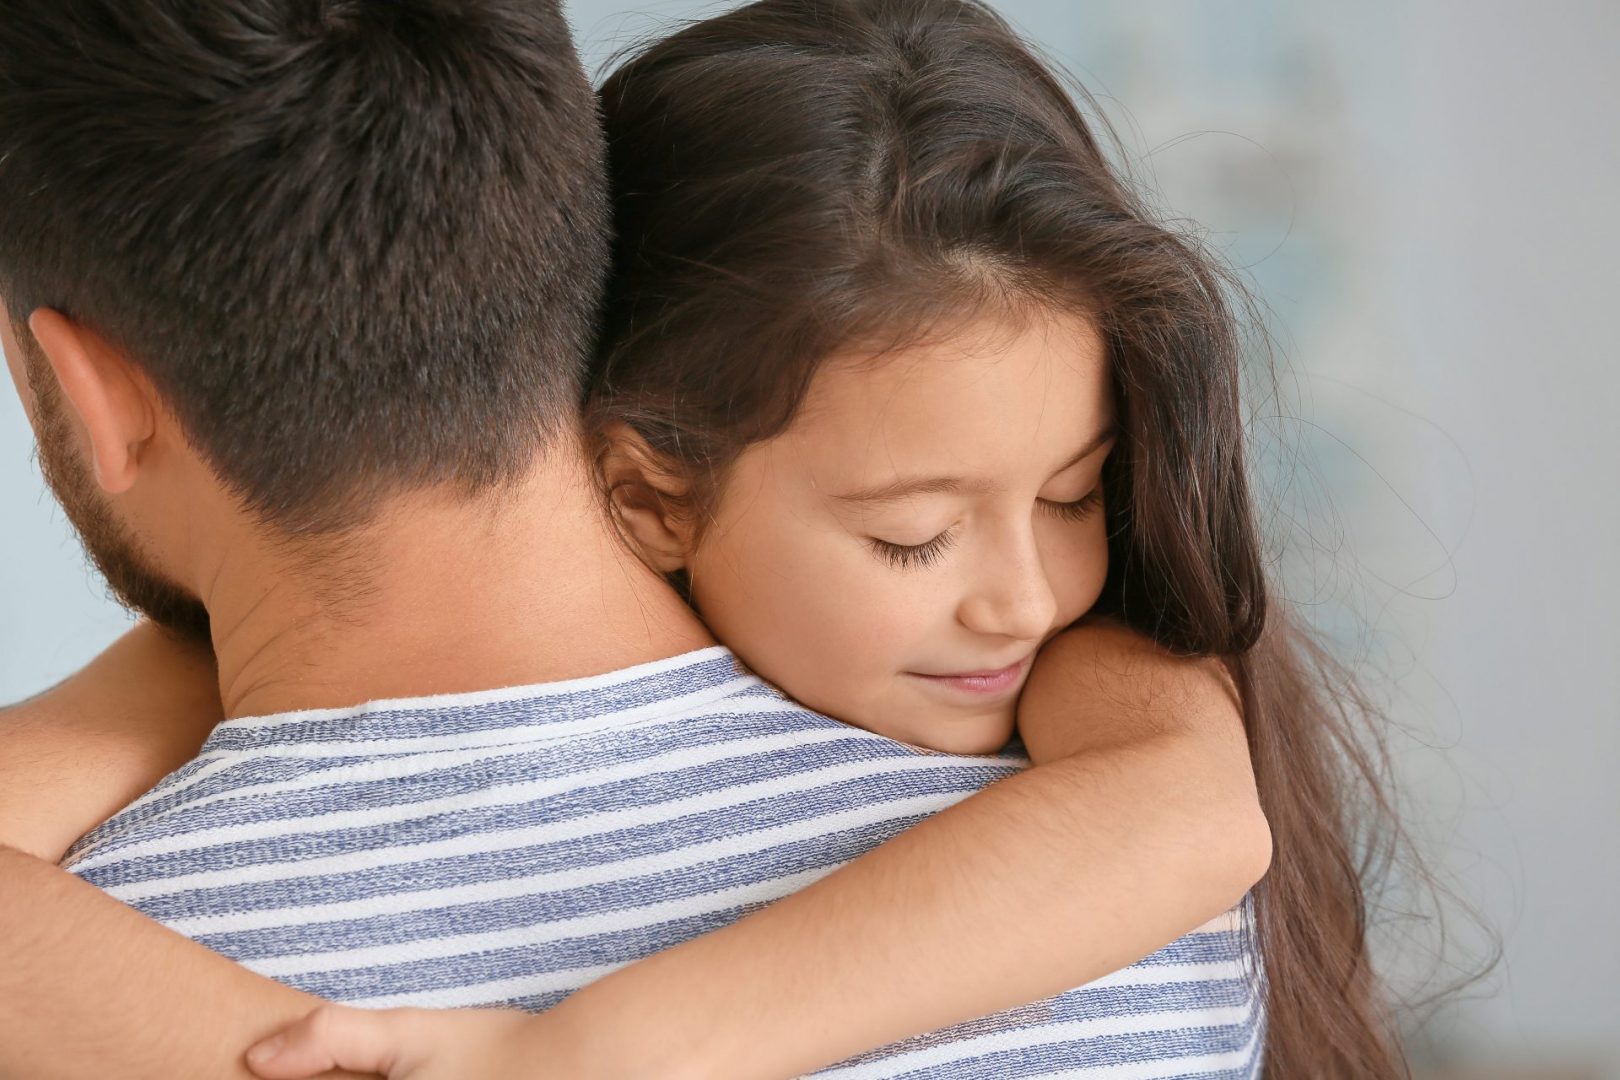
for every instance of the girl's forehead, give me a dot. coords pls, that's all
(985, 401)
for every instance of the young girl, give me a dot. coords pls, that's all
(900, 379)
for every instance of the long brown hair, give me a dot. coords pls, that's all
(797, 175)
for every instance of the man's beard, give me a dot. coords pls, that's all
(110, 546)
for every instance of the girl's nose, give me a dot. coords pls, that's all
(1013, 597)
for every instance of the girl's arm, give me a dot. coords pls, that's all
(1143, 826)
(91, 988)
(88, 987)
(81, 751)
(1139, 823)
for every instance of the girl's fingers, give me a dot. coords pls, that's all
(331, 1037)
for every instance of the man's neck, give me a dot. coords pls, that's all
(442, 596)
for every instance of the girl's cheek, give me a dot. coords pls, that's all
(1079, 577)
(1091, 574)
(869, 618)
(865, 607)
(816, 610)
(811, 609)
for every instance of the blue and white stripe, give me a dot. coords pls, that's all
(509, 847)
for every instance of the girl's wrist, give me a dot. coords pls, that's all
(576, 1040)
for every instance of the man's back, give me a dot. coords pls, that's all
(510, 847)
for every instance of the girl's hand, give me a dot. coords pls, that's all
(421, 1044)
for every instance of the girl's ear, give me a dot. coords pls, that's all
(648, 497)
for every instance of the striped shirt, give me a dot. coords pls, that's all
(509, 847)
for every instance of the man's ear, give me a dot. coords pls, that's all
(110, 399)
(648, 496)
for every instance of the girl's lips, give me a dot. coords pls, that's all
(979, 682)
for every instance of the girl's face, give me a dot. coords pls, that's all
(895, 558)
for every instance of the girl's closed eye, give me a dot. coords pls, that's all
(1077, 510)
(909, 556)
(929, 552)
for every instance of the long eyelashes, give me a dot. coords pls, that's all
(909, 556)
(915, 556)
(1078, 510)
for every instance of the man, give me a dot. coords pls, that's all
(298, 297)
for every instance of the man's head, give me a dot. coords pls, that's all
(346, 248)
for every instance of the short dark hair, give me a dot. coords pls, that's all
(357, 245)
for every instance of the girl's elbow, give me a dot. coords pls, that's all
(1247, 846)
(1231, 849)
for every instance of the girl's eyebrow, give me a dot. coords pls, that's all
(1093, 444)
(950, 485)
(900, 489)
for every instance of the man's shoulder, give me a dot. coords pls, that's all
(694, 725)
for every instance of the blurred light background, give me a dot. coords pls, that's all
(1424, 197)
